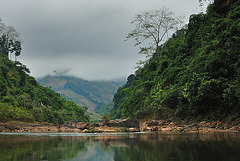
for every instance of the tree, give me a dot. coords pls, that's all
(106, 118)
(9, 40)
(153, 26)
(202, 1)
(15, 47)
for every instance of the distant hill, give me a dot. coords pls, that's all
(91, 94)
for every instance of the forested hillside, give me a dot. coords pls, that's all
(21, 97)
(90, 94)
(194, 75)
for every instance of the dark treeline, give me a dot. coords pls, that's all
(194, 75)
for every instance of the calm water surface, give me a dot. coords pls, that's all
(119, 147)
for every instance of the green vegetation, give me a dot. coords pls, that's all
(194, 75)
(40, 148)
(91, 130)
(105, 109)
(93, 116)
(120, 97)
(106, 118)
(95, 95)
(23, 99)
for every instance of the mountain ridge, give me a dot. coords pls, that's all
(91, 94)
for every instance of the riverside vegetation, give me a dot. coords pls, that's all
(21, 97)
(194, 75)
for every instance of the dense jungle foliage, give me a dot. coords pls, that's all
(23, 99)
(195, 75)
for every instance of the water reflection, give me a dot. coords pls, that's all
(120, 147)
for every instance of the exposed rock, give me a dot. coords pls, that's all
(128, 123)
(76, 125)
(83, 126)
(147, 129)
(106, 129)
(192, 127)
(153, 123)
(116, 123)
(70, 124)
(166, 129)
(85, 131)
(150, 128)
(134, 129)
(97, 124)
(131, 123)
(154, 128)
(125, 125)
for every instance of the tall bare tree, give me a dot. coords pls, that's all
(153, 26)
(9, 40)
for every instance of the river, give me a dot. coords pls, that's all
(120, 147)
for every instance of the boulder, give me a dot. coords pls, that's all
(96, 124)
(70, 124)
(83, 126)
(192, 127)
(115, 123)
(151, 128)
(134, 129)
(128, 123)
(131, 123)
(76, 125)
(153, 123)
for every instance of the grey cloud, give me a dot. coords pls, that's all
(86, 36)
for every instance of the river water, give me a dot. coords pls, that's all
(120, 147)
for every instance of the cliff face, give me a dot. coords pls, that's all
(195, 75)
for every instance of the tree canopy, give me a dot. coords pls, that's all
(197, 76)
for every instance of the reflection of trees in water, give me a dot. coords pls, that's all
(153, 146)
(17, 148)
(121, 141)
(94, 151)
(163, 147)
(169, 136)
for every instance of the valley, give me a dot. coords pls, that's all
(91, 95)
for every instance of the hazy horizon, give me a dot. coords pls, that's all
(85, 38)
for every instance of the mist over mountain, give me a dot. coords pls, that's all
(90, 94)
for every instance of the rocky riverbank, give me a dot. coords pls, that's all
(119, 125)
(184, 126)
(123, 125)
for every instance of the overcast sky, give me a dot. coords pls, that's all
(85, 37)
